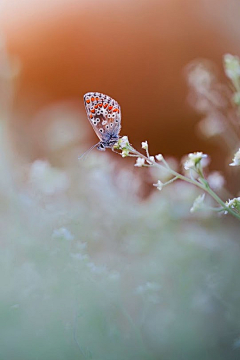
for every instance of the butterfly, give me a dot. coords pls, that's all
(104, 114)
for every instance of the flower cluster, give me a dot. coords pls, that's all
(203, 81)
(194, 160)
(124, 145)
(233, 204)
(193, 164)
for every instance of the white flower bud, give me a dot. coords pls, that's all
(139, 162)
(145, 145)
(159, 157)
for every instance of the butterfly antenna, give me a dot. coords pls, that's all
(86, 152)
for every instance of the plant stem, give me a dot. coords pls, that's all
(191, 181)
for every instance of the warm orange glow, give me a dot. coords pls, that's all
(134, 51)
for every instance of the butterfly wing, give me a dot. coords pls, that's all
(104, 114)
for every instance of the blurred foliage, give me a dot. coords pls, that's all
(90, 270)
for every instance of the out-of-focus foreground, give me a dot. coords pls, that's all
(90, 271)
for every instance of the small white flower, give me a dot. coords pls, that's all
(198, 203)
(151, 158)
(197, 156)
(159, 157)
(216, 180)
(123, 142)
(189, 164)
(232, 66)
(159, 185)
(233, 204)
(139, 162)
(145, 145)
(230, 203)
(236, 159)
(193, 160)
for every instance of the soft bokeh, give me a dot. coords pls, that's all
(95, 262)
(135, 51)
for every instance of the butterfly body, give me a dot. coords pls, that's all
(104, 114)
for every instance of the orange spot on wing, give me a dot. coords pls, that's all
(88, 101)
(110, 107)
(92, 111)
(91, 116)
(115, 110)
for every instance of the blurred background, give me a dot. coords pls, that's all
(134, 51)
(94, 263)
